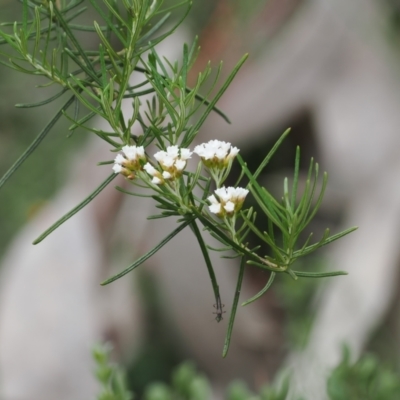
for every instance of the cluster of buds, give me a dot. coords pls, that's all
(131, 161)
(216, 154)
(172, 162)
(229, 201)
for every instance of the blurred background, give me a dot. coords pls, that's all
(328, 69)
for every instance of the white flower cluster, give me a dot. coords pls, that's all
(130, 162)
(173, 162)
(230, 200)
(216, 154)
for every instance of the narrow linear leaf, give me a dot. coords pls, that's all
(261, 292)
(266, 267)
(207, 260)
(172, 7)
(25, 16)
(106, 162)
(73, 39)
(89, 71)
(110, 24)
(330, 239)
(234, 308)
(153, 30)
(197, 96)
(295, 178)
(214, 101)
(36, 142)
(122, 190)
(223, 238)
(145, 257)
(75, 209)
(41, 103)
(151, 44)
(302, 274)
(271, 153)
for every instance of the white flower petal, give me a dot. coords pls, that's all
(200, 151)
(160, 155)
(117, 168)
(167, 162)
(215, 208)
(157, 181)
(173, 151)
(166, 175)
(186, 154)
(180, 164)
(212, 199)
(150, 169)
(223, 194)
(234, 152)
(208, 154)
(241, 193)
(130, 152)
(221, 154)
(140, 152)
(120, 159)
(229, 207)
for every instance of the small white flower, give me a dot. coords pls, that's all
(157, 177)
(120, 159)
(166, 175)
(134, 157)
(241, 193)
(117, 168)
(173, 151)
(216, 153)
(168, 161)
(150, 169)
(130, 152)
(229, 207)
(212, 199)
(157, 180)
(230, 200)
(215, 206)
(186, 154)
(233, 153)
(180, 165)
(140, 152)
(173, 160)
(221, 153)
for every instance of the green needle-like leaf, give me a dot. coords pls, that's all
(295, 178)
(234, 308)
(36, 142)
(75, 210)
(261, 292)
(207, 260)
(73, 39)
(41, 103)
(271, 153)
(302, 274)
(330, 239)
(153, 29)
(145, 257)
(193, 131)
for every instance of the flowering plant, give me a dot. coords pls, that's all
(44, 43)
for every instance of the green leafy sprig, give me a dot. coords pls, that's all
(169, 115)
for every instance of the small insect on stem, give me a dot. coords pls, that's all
(218, 310)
